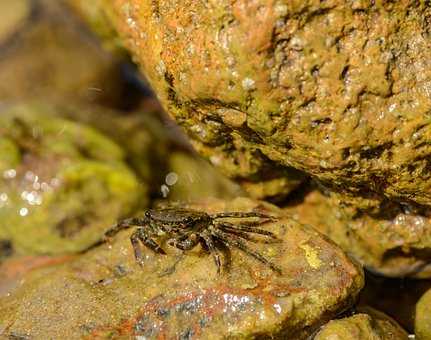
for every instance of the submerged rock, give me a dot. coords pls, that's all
(105, 293)
(61, 182)
(338, 89)
(394, 240)
(423, 317)
(371, 326)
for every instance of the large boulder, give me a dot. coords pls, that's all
(338, 89)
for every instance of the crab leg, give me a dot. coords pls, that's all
(213, 250)
(125, 224)
(134, 239)
(146, 239)
(235, 241)
(241, 215)
(246, 236)
(245, 228)
(184, 242)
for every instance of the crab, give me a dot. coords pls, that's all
(187, 228)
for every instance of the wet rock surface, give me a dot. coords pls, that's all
(423, 317)
(104, 293)
(394, 240)
(338, 89)
(373, 325)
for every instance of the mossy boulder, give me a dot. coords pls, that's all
(337, 89)
(61, 183)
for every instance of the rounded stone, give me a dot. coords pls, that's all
(423, 317)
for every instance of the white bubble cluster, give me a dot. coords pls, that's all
(32, 190)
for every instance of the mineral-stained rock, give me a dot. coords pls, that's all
(338, 89)
(44, 51)
(423, 317)
(61, 183)
(104, 293)
(394, 241)
(371, 326)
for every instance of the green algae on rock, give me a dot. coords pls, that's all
(105, 293)
(371, 326)
(338, 89)
(394, 241)
(423, 317)
(64, 185)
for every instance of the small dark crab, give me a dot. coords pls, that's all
(188, 228)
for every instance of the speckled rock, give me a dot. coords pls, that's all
(104, 293)
(423, 317)
(394, 240)
(371, 326)
(338, 89)
(61, 182)
(45, 51)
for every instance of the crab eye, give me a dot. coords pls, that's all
(148, 214)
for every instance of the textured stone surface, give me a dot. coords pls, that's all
(104, 293)
(394, 240)
(338, 89)
(371, 326)
(423, 317)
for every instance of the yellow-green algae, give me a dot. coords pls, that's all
(65, 185)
